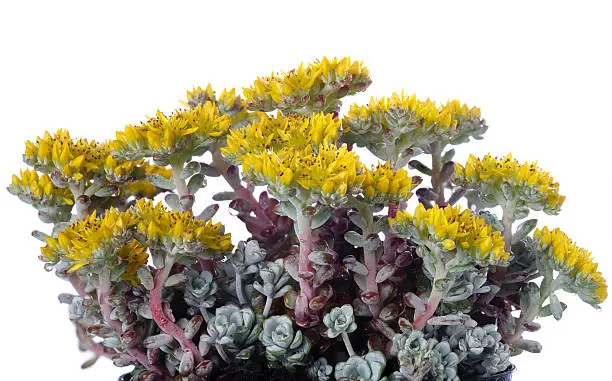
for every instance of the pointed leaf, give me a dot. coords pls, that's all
(523, 230)
(160, 181)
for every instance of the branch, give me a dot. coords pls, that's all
(163, 321)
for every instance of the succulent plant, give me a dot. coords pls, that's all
(369, 367)
(284, 345)
(233, 329)
(320, 370)
(200, 290)
(438, 293)
(274, 282)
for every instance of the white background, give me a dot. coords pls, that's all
(540, 71)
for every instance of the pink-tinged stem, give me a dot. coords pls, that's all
(106, 308)
(77, 284)
(372, 294)
(305, 271)
(430, 309)
(232, 177)
(160, 317)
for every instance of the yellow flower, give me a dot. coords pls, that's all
(39, 190)
(123, 238)
(453, 228)
(389, 126)
(573, 261)
(530, 184)
(198, 96)
(317, 86)
(69, 158)
(329, 172)
(181, 229)
(180, 135)
(385, 185)
(276, 133)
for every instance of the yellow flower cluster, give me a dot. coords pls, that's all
(388, 126)
(39, 190)
(530, 184)
(76, 159)
(275, 133)
(178, 136)
(318, 85)
(386, 185)
(573, 261)
(454, 229)
(329, 171)
(122, 238)
(228, 103)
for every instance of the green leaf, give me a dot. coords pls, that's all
(555, 307)
(321, 216)
(190, 169)
(224, 196)
(195, 182)
(523, 230)
(353, 238)
(160, 181)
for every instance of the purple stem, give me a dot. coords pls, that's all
(163, 321)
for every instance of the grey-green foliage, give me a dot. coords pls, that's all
(200, 289)
(235, 329)
(284, 346)
(340, 320)
(363, 368)
(320, 370)
(273, 279)
(423, 358)
(479, 347)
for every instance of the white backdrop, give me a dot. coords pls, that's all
(540, 71)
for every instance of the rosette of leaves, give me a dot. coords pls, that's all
(233, 329)
(285, 347)
(320, 370)
(362, 368)
(273, 284)
(200, 290)
(340, 320)
(244, 261)
(422, 358)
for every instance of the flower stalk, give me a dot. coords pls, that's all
(164, 322)
(305, 271)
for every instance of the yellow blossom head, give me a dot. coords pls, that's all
(455, 231)
(386, 185)
(120, 240)
(525, 183)
(391, 126)
(276, 133)
(176, 137)
(317, 86)
(326, 174)
(574, 262)
(39, 191)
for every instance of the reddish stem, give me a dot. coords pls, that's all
(430, 309)
(77, 284)
(106, 308)
(160, 317)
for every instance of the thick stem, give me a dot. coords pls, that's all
(436, 169)
(160, 317)
(347, 344)
(268, 306)
(507, 220)
(430, 309)
(77, 284)
(179, 183)
(241, 192)
(372, 292)
(106, 309)
(305, 271)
